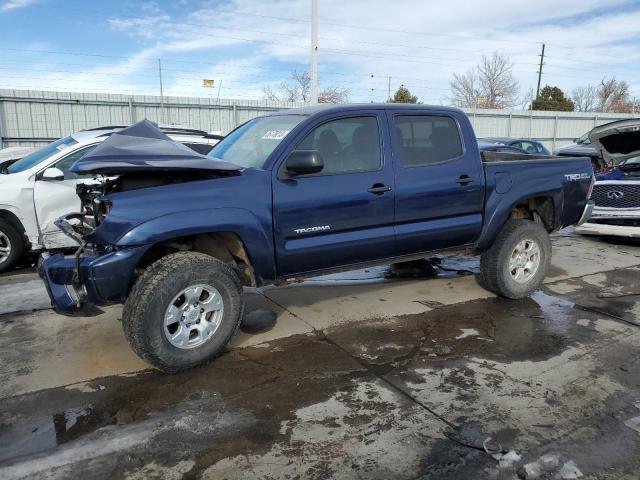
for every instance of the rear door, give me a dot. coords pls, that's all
(439, 182)
(55, 198)
(344, 214)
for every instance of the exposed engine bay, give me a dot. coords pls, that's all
(78, 224)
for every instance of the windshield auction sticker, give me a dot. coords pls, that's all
(275, 134)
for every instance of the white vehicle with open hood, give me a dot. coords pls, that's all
(616, 194)
(39, 188)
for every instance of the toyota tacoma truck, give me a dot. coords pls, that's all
(174, 235)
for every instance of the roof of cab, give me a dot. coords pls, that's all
(313, 110)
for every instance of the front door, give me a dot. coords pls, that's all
(439, 183)
(55, 198)
(344, 214)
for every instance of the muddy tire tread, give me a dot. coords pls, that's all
(493, 275)
(151, 281)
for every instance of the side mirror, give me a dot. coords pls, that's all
(304, 162)
(52, 173)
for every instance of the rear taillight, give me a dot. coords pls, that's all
(591, 184)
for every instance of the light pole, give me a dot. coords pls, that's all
(314, 51)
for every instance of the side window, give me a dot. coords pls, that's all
(423, 139)
(67, 162)
(529, 147)
(346, 145)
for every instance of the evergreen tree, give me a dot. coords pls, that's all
(403, 95)
(552, 98)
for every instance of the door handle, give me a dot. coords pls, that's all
(464, 179)
(379, 189)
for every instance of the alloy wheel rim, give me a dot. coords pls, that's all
(524, 261)
(193, 316)
(5, 247)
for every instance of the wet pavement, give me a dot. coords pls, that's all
(360, 377)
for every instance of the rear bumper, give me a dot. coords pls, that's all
(76, 288)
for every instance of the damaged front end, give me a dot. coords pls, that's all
(101, 272)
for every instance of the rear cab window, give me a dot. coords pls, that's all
(422, 140)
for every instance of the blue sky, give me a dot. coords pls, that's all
(247, 44)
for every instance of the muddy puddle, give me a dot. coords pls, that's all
(615, 293)
(533, 329)
(445, 266)
(235, 406)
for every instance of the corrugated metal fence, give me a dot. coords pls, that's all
(32, 118)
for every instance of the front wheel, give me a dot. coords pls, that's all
(183, 310)
(517, 262)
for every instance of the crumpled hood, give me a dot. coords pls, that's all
(144, 147)
(618, 141)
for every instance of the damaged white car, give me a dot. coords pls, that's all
(617, 193)
(39, 188)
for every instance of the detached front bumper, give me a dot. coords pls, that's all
(97, 279)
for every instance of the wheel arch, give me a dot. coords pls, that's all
(224, 245)
(233, 233)
(13, 220)
(544, 208)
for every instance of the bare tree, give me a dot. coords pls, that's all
(489, 84)
(333, 95)
(496, 78)
(270, 94)
(613, 96)
(527, 98)
(298, 89)
(584, 98)
(465, 89)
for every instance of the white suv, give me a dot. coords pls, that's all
(39, 188)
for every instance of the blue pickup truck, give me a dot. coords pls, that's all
(175, 235)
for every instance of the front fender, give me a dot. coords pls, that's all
(255, 235)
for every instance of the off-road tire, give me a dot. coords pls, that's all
(494, 263)
(144, 310)
(17, 246)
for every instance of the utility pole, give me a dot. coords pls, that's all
(540, 71)
(389, 93)
(314, 51)
(161, 93)
(219, 87)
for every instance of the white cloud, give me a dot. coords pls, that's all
(250, 43)
(15, 4)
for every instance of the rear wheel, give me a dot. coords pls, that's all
(11, 246)
(183, 310)
(517, 262)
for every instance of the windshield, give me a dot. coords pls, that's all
(632, 161)
(41, 155)
(250, 145)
